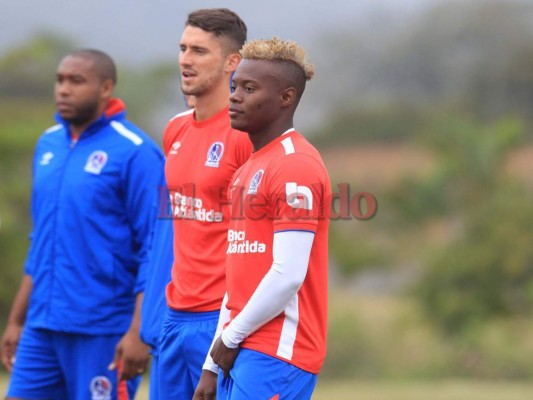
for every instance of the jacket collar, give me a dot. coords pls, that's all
(116, 109)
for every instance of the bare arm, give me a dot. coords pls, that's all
(207, 386)
(15, 322)
(132, 354)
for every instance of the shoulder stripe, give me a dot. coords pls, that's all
(121, 129)
(288, 145)
(182, 114)
(53, 128)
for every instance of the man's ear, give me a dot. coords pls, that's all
(288, 97)
(106, 89)
(232, 62)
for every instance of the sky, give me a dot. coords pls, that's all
(144, 32)
(141, 33)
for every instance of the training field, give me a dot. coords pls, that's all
(386, 390)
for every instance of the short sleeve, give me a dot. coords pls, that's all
(297, 188)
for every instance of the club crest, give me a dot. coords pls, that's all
(214, 154)
(254, 183)
(96, 162)
(101, 388)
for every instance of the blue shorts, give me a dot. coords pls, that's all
(57, 365)
(185, 340)
(258, 376)
(154, 377)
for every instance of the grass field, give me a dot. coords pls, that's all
(387, 390)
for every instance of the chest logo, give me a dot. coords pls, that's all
(96, 162)
(174, 148)
(254, 183)
(214, 154)
(100, 388)
(45, 159)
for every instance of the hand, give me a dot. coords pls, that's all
(10, 341)
(132, 355)
(207, 386)
(223, 356)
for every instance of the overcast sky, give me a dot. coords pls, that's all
(147, 31)
(139, 33)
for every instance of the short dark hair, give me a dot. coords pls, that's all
(104, 64)
(222, 22)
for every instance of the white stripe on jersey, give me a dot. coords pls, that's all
(53, 128)
(181, 114)
(288, 332)
(288, 145)
(121, 129)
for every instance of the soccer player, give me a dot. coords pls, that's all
(154, 303)
(94, 203)
(203, 152)
(274, 342)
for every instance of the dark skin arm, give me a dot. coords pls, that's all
(131, 352)
(207, 386)
(223, 356)
(15, 323)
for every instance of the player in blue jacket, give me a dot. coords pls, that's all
(96, 181)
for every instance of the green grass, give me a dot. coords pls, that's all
(441, 390)
(390, 390)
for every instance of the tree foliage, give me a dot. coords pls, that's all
(486, 270)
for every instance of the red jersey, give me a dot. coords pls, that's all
(201, 158)
(283, 186)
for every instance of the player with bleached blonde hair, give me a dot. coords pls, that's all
(271, 341)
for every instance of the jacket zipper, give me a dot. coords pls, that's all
(71, 147)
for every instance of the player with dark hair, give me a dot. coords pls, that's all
(94, 203)
(154, 302)
(271, 341)
(203, 152)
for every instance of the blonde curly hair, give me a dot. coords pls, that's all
(278, 50)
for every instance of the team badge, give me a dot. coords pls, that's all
(101, 388)
(174, 148)
(216, 150)
(96, 162)
(45, 159)
(254, 183)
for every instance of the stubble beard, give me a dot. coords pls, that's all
(84, 114)
(200, 89)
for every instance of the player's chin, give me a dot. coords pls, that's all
(238, 123)
(67, 116)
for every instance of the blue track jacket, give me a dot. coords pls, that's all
(94, 206)
(154, 306)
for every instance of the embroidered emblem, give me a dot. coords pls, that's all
(96, 162)
(101, 388)
(216, 150)
(45, 159)
(254, 183)
(174, 148)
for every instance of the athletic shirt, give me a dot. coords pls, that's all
(284, 186)
(201, 158)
